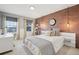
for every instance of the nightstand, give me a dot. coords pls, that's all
(69, 39)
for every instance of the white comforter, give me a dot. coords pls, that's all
(57, 43)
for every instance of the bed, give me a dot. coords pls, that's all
(44, 45)
(6, 44)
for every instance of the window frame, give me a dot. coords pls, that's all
(13, 26)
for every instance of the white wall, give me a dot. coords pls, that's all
(0, 25)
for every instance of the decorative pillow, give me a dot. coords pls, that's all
(57, 32)
(52, 33)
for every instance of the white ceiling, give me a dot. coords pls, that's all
(40, 9)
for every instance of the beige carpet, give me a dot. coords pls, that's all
(68, 51)
(20, 50)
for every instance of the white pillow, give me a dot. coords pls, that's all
(45, 32)
(9, 35)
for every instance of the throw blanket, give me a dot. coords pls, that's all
(45, 47)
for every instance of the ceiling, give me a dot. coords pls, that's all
(40, 9)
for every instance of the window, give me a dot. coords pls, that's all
(29, 24)
(11, 24)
